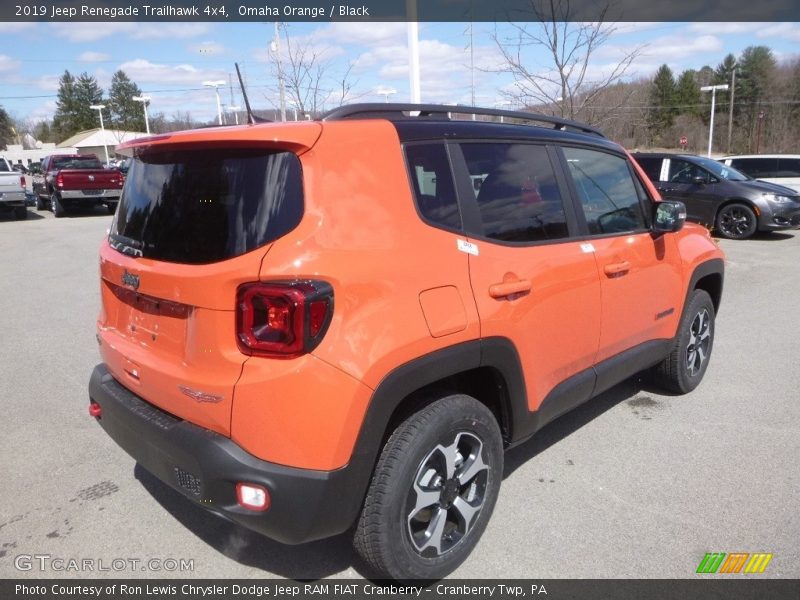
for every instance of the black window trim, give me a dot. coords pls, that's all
(471, 217)
(585, 234)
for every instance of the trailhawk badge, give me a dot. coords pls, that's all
(198, 395)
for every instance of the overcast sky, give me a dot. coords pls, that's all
(169, 61)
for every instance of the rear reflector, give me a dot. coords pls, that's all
(252, 496)
(95, 410)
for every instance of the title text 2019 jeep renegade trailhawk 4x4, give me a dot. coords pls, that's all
(307, 326)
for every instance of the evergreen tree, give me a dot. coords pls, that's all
(687, 94)
(6, 132)
(64, 118)
(757, 69)
(662, 101)
(73, 112)
(126, 113)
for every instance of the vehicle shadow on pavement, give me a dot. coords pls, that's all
(32, 216)
(569, 423)
(309, 561)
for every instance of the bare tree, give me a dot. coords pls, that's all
(310, 78)
(568, 83)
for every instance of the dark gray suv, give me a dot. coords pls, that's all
(719, 196)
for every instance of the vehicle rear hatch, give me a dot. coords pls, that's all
(197, 215)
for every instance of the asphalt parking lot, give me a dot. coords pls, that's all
(633, 484)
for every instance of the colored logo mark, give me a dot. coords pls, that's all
(736, 562)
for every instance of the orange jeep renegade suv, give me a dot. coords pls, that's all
(311, 326)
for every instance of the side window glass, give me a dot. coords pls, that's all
(516, 192)
(608, 193)
(651, 167)
(681, 171)
(433, 184)
(789, 167)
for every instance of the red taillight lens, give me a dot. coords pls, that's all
(22, 182)
(60, 180)
(283, 319)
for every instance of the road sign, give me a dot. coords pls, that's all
(684, 140)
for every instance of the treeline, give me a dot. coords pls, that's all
(76, 95)
(657, 112)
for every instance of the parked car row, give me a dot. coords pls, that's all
(721, 197)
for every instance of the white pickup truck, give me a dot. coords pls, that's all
(12, 191)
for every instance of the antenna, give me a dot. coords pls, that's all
(250, 116)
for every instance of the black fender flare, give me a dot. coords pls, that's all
(497, 353)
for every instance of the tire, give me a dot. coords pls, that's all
(399, 533)
(20, 213)
(736, 221)
(683, 370)
(56, 206)
(40, 203)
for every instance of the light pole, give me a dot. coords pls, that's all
(730, 109)
(233, 109)
(99, 108)
(275, 46)
(215, 85)
(501, 104)
(385, 92)
(145, 100)
(713, 89)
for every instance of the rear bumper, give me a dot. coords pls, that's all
(205, 466)
(79, 195)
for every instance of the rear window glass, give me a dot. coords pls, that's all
(77, 162)
(433, 184)
(204, 206)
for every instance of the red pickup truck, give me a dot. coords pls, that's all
(69, 180)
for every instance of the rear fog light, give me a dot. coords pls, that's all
(251, 496)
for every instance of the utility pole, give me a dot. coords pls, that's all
(276, 48)
(761, 115)
(730, 109)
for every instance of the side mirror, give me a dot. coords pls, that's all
(668, 216)
(699, 180)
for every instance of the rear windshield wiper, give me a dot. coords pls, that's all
(125, 245)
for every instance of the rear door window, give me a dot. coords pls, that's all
(204, 206)
(609, 194)
(516, 192)
(651, 166)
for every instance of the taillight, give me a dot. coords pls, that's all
(283, 319)
(60, 180)
(22, 182)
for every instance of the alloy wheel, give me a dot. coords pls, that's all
(699, 341)
(447, 494)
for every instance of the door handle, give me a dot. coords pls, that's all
(616, 269)
(510, 288)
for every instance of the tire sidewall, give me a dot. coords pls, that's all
(404, 554)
